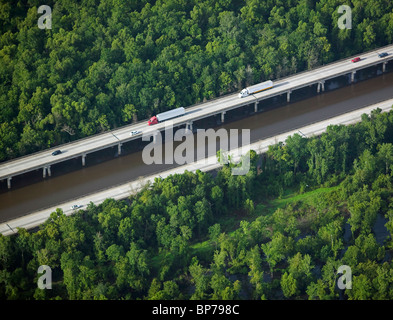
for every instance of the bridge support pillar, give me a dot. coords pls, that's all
(353, 76)
(384, 66)
(321, 86)
(9, 182)
(289, 95)
(119, 149)
(189, 125)
(44, 172)
(223, 116)
(84, 159)
(256, 106)
(49, 171)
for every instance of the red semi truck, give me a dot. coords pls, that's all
(166, 116)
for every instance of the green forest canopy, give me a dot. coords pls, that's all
(108, 63)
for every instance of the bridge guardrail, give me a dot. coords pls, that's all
(191, 106)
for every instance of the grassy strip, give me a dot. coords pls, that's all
(204, 248)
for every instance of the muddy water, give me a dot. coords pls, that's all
(69, 180)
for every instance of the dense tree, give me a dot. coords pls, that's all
(200, 279)
(256, 272)
(289, 285)
(106, 64)
(276, 250)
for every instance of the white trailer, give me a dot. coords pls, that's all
(170, 114)
(256, 88)
(166, 115)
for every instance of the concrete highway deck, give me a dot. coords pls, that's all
(83, 147)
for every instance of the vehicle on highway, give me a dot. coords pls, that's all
(357, 59)
(256, 88)
(383, 54)
(166, 115)
(55, 153)
(76, 206)
(133, 133)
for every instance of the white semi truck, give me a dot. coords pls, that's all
(166, 115)
(256, 88)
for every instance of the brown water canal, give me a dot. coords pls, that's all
(30, 192)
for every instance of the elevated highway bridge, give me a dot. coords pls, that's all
(43, 160)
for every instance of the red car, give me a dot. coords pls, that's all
(355, 59)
